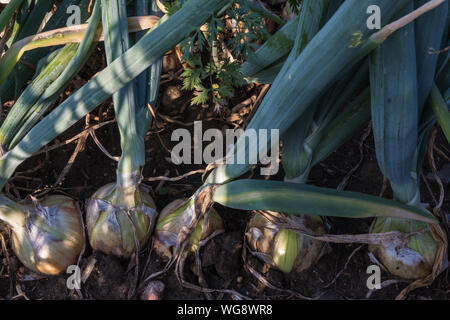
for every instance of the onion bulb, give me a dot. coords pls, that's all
(282, 248)
(174, 217)
(109, 214)
(47, 237)
(416, 258)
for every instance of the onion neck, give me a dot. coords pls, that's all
(132, 143)
(126, 187)
(125, 101)
(302, 179)
(408, 193)
(129, 169)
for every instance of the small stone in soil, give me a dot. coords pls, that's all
(170, 97)
(170, 63)
(153, 291)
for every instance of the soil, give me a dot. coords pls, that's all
(338, 274)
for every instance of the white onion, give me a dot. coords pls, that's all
(108, 223)
(46, 237)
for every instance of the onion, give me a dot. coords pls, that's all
(283, 248)
(174, 217)
(414, 260)
(109, 227)
(46, 237)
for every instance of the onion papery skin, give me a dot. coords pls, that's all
(109, 227)
(285, 249)
(413, 261)
(50, 237)
(174, 217)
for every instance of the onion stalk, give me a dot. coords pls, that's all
(46, 87)
(396, 106)
(14, 84)
(8, 11)
(313, 71)
(47, 237)
(264, 65)
(121, 216)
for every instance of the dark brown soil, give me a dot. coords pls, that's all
(222, 257)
